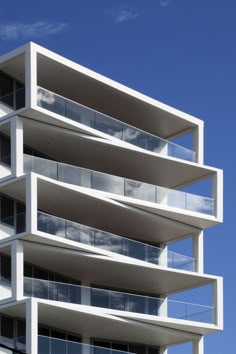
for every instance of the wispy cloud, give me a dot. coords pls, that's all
(125, 14)
(164, 3)
(14, 31)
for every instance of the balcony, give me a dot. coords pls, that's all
(50, 345)
(90, 236)
(111, 126)
(12, 101)
(114, 300)
(118, 185)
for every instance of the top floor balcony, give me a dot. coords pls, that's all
(97, 104)
(111, 126)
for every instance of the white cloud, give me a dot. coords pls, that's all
(126, 14)
(164, 3)
(14, 31)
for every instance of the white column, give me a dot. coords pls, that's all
(85, 293)
(31, 326)
(17, 269)
(217, 193)
(30, 76)
(217, 302)
(163, 308)
(31, 202)
(163, 258)
(198, 143)
(198, 345)
(163, 350)
(17, 146)
(198, 251)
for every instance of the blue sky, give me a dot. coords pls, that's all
(181, 52)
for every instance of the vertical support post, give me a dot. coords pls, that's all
(198, 345)
(163, 258)
(217, 193)
(31, 326)
(30, 76)
(217, 301)
(198, 251)
(198, 143)
(163, 308)
(17, 269)
(31, 202)
(17, 146)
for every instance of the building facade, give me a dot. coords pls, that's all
(94, 198)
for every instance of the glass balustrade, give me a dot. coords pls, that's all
(111, 126)
(17, 344)
(118, 185)
(81, 233)
(50, 345)
(115, 300)
(12, 101)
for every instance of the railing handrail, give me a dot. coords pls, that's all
(12, 93)
(122, 237)
(121, 292)
(119, 121)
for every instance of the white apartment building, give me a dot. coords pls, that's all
(92, 204)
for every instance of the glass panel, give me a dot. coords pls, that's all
(117, 301)
(135, 304)
(40, 288)
(74, 175)
(79, 113)
(74, 348)
(176, 199)
(108, 183)
(20, 343)
(157, 145)
(135, 137)
(100, 298)
(140, 190)
(43, 345)
(58, 346)
(51, 101)
(153, 305)
(51, 225)
(136, 250)
(200, 204)
(108, 126)
(153, 254)
(44, 167)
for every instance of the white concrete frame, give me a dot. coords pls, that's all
(16, 242)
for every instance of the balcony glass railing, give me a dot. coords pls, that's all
(115, 300)
(17, 344)
(13, 100)
(111, 126)
(118, 185)
(50, 345)
(110, 242)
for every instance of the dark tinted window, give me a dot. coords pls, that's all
(7, 211)
(5, 267)
(7, 327)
